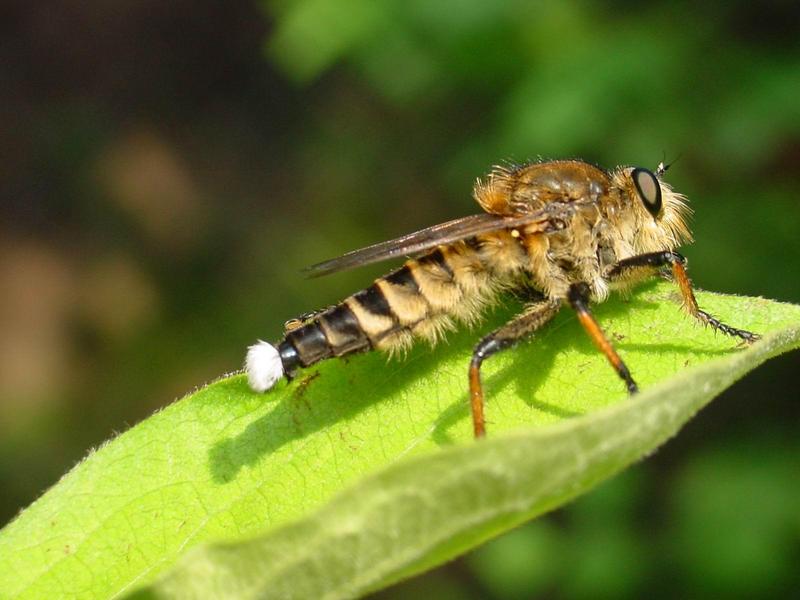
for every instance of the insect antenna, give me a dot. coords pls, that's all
(664, 166)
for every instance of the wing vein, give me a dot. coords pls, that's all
(426, 239)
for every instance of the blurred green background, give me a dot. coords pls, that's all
(166, 169)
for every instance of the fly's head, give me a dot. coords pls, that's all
(645, 212)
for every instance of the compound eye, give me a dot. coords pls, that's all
(649, 190)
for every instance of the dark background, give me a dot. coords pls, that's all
(166, 169)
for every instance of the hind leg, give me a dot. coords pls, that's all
(532, 318)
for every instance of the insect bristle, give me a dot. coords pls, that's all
(677, 215)
(494, 195)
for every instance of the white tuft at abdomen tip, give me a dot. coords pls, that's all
(263, 365)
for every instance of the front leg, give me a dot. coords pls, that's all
(521, 326)
(678, 263)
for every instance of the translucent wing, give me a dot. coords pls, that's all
(426, 239)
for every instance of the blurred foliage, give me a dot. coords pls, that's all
(167, 169)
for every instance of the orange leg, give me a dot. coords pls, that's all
(534, 316)
(677, 263)
(578, 297)
(476, 399)
(690, 304)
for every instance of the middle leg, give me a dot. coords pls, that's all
(578, 296)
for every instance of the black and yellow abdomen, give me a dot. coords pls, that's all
(422, 299)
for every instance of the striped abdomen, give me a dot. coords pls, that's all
(420, 299)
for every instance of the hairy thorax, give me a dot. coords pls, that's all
(579, 251)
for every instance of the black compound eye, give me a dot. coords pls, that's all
(649, 190)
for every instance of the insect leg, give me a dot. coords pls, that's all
(678, 264)
(521, 326)
(578, 296)
(297, 322)
(653, 260)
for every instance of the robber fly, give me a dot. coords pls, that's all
(556, 232)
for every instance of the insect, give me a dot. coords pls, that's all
(555, 232)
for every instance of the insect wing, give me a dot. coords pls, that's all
(426, 239)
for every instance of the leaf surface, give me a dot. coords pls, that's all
(259, 474)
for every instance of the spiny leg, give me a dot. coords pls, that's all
(678, 264)
(521, 326)
(578, 296)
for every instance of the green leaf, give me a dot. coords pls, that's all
(259, 474)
